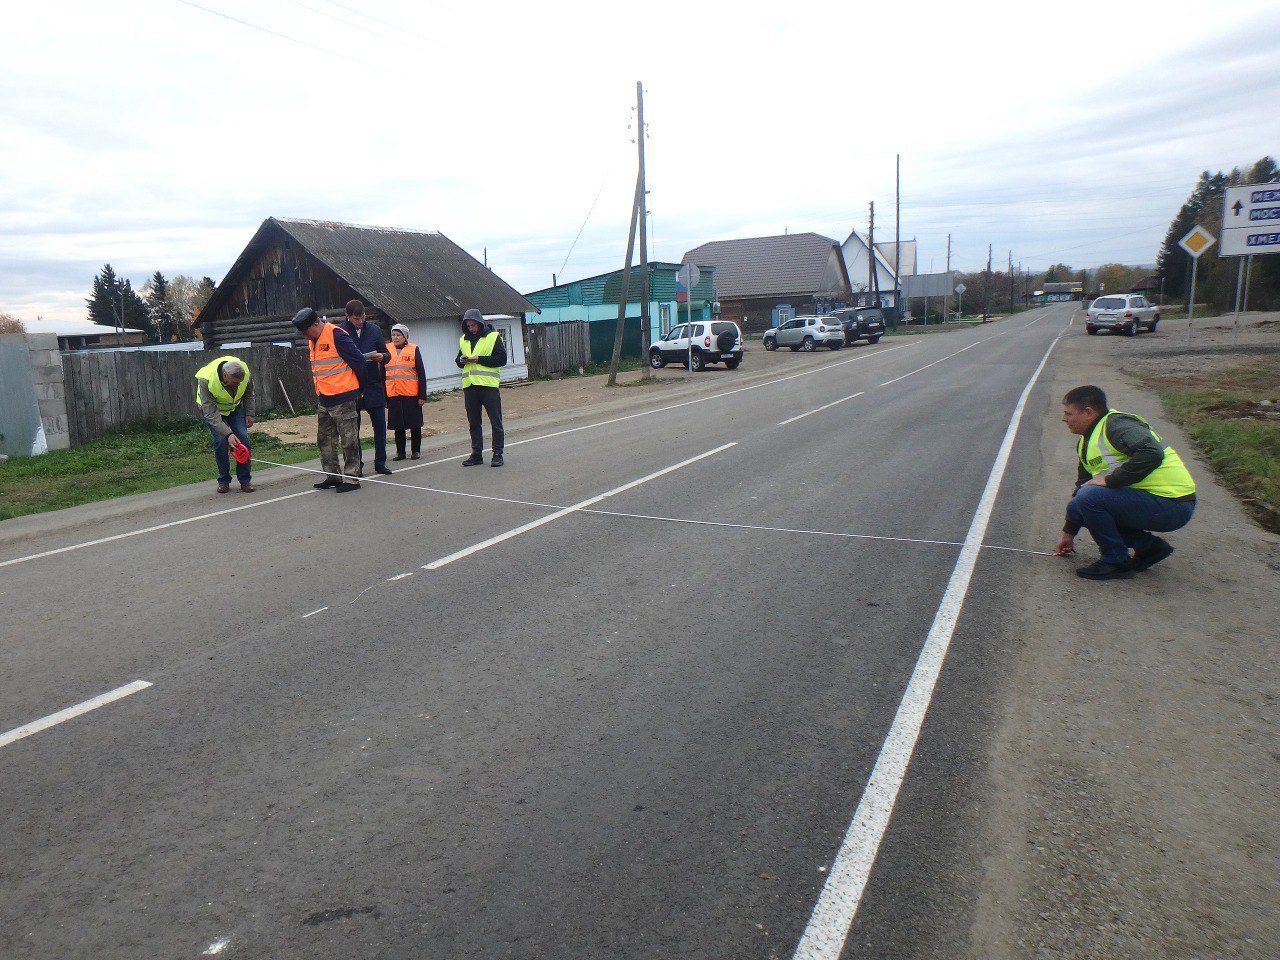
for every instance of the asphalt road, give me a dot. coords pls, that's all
(605, 736)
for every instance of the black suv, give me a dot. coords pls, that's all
(860, 323)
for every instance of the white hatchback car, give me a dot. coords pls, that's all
(806, 333)
(1126, 313)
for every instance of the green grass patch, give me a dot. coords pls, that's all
(596, 369)
(916, 329)
(153, 456)
(1236, 436)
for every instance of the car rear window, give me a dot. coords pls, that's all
(1109, 303)
(722, 326)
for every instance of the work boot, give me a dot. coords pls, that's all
(473, 461)
(223, 487)
(383, 470)
(326, 483)
(496, 461)
(398, 456)
(415, 454)
(247, 487)
(1148, 558)
(1101, 570)
(345, 487)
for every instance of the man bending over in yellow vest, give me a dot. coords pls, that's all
(224, 393)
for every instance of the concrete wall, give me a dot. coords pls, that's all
(33, 407)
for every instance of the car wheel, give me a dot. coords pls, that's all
(733, 364)
(873, 339)
(1130, 328)
(1091, 331)
(807, 345)
(770, 343)
(1152, 328)
(696, 362)
(835, 346)
(657, 360)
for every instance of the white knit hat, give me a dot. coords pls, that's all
(402, 328)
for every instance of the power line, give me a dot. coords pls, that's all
(254, 26)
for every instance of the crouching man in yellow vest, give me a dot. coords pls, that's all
(1128, 483)
(480, 354)
(224, 393)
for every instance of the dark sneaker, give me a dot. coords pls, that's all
(415, 454)
(385, 470)
(496, 461)
(223, 487)
(1101, 570)
(1148, 558)
(473, 461)
(397, 457)
(345, 487)
(326, 483)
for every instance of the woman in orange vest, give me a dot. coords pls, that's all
(406, 391)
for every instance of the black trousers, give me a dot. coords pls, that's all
(488, 399)
(415, 434)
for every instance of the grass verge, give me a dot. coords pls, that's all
(154, 456)
(1238, 436)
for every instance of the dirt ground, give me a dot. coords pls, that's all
(519, 401)
(1136, 770)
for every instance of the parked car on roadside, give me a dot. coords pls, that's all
(714, 341)
(805, 333)
(1127, 313)
(860, 323)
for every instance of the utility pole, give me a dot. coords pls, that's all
(622, 294)
(946, 301)
(897, 236)
(986, 292)
(646, 372)
(1011, 281)
(873, 280)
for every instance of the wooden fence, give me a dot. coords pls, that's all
(557, 347)
(109, 390)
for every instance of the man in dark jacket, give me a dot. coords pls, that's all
(480, 353)
(370, 342)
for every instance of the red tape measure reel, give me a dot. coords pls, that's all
(241, 453)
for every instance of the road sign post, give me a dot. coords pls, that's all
(686, 277)
(1250, 224)
(1196, 242)
(960, 289)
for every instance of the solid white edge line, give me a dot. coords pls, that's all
(533, 524)
(851, 396)
(833, 914)
(314, 612)
(53, 719)
(160, 526)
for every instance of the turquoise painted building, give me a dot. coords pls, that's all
(595, 299)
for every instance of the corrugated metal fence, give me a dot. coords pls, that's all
(108, 390)
(557, 347)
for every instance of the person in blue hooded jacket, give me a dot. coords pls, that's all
(480, 353)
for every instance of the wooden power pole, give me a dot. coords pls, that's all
(622, 294)
(646, 371)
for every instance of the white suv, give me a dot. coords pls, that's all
(1126, 313)
(806, 333)
(714, 341)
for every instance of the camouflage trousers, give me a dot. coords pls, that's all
(339, 427)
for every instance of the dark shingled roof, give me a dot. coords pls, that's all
(405, 274)
(765, 266)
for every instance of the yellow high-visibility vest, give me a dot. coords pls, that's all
(1171, 479)
(208, 375)
(473, 374)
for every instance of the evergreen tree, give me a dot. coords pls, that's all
(114, 303)
(160, 308)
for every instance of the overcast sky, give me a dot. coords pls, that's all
(158, 135)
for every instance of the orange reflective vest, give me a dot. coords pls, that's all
(402, 372)
(332, 374)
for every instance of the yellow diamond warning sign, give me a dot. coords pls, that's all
(1197, 241)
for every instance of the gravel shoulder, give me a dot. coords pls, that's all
(1136, 810)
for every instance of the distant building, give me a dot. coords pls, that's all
(423, 280)
(83, 334)
(762, 281)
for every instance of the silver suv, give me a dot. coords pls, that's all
(1126, 313)
(714, 341)
(806, 333)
